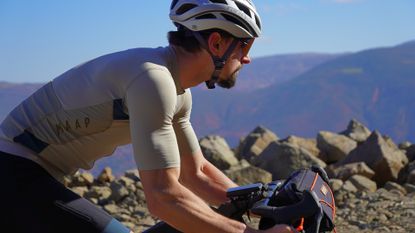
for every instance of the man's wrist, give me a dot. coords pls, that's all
(250, 230)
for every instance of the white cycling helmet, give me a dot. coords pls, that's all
(237, 17)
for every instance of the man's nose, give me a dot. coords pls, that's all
(246, 59)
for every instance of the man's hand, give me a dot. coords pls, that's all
(274, 229)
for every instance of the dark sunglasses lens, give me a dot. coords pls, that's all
(246, 46)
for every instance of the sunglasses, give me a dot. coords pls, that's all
(246, 44)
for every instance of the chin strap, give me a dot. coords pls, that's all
(218, 62)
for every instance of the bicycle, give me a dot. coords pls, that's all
(304, 200)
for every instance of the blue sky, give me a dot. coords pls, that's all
(40, 39)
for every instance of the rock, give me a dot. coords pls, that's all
(127, 182)
(308, 144)
(256, 141)
(405, 174)
(141, 198)
(356, 131)
(335, 184)
(133, 174)
(349, 187)
(404, 145)
(80, 190)
(88, 177)
(363, 183)
(112, 209)
(67, 181)
(381, 156)
(392, 185)
(282, 158)
(334, 147)
(410, 153)
(98, 192)
(118, 191)
(106, 176)
(147, 221)
(410, 188)
(411, 178)
(82, 179)
(248, 174)
(217, 151)
(344, 172)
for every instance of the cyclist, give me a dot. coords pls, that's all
(141, 96)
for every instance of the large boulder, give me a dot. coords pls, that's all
(381, 155)
(244, 174)
(407, 174)
(282, 158)
(363, 183)
(410, 153)
(345, 171)
(411, 177)
(356, 131)
(256, 141)
(410, 188)
(309, 144)
(334, 147)
(217, 151)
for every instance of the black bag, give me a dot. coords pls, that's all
(302, 184)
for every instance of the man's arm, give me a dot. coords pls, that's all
(204, 179)
(172, 202)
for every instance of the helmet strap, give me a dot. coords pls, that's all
(218, 62)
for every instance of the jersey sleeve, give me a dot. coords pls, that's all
(186, 137)
(151, 101)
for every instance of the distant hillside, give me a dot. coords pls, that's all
(11, 94)
(266, 71)
(374, 86)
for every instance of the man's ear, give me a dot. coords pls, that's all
(215, 43)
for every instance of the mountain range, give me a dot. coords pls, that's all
(374, 86)
(297, 94)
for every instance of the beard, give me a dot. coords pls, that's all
(230, 81)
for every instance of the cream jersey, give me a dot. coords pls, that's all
(84, 114)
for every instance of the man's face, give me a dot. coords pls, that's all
(238, 58)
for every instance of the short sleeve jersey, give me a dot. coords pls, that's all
(132, 96)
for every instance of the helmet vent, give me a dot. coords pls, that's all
(257, 21)
(243, 8)
(219, 1)
(185, 8)
(234, 20)
(173, 4)
(206, 16)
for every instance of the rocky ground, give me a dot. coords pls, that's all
(381, 211)
(373, 179)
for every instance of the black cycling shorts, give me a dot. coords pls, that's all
(32, 201)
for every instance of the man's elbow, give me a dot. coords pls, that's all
(158, 202)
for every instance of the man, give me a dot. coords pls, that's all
(139, 96)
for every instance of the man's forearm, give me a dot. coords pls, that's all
(185, 211)
(211, 184)
(204, 179)
(190, 214)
